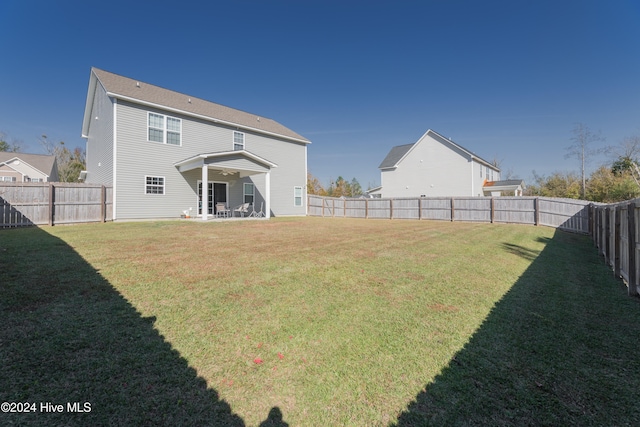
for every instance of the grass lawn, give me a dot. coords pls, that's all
(314, 322)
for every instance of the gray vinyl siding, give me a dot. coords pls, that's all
(291, 172)
(137, 158)
(432, 168)
(99, 148)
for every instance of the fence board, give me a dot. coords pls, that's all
(23, 204)
(567, 214)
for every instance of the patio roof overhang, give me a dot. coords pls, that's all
(242, 162)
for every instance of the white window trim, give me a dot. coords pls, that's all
(244, 192)
(164, 185)
(235, 132)
(295, 196)
(165, 130)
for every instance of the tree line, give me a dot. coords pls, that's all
(616, 180)
(338, 188)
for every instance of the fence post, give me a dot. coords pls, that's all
(616, 259)
(536, 211)
(452, 209)
(366, 208)
(592, 223)
(103, 203)
(492, 209)
(607, 235)
(51, 203)
(390, 208)
(598, 230)
(631, 212)
(420, 208)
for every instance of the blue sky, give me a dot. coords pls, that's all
(507, 80)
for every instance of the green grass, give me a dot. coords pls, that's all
(357, 322)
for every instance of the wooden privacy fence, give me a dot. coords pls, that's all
(40, 203)
(566, 214)
(616, 235)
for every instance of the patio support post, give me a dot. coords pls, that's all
(205, 192)
(267, 195)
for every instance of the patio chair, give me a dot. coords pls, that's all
(241, 209)
(256, 214)
(222, 210)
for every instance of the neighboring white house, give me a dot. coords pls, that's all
(510, 187)
(22, 167)
(156, 147)
(434, 166)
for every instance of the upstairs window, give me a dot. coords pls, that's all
(238, 141)
(164, 129)
(154, 185)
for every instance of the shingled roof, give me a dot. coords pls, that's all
(394, 156)
(137, 91)
(42, 162)
(398, 152)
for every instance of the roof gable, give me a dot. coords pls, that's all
(398, 153)
(44, 164)
(137, 91)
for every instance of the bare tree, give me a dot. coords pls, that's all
(629, 148)
(581, 149)
(13, 146)
(70, 163)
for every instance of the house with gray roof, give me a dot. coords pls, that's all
(157, 147)
(434, 166)
(23, 167)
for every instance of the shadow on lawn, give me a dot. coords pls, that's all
(557, 349)
(68, 336)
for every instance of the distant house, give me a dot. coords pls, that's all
(157, 147)
(22, 167)
(434, 166)
(510, 187)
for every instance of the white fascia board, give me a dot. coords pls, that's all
(241, 152)
(207, 118)
(502, 188)
(198, 161)
(86, 120)
(22, 162)
(469, 153)
(190, 164)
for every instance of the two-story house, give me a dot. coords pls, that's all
(434, 166)
(157, 147)
(23, 167)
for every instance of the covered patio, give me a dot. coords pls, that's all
(234, 165)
